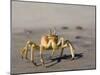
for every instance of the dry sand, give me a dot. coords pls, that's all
(32, 20)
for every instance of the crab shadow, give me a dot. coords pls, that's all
(64, 57)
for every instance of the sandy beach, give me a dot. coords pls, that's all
(31, 20)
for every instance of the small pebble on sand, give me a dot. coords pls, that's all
(79, 28)
(64, 27)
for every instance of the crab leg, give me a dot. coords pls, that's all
(62, 52)
(72, 51)
(31, 54)
(41, 56)
(22, 52)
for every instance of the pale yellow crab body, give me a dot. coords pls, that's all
(47, 42)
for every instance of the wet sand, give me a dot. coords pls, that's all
(83, 39)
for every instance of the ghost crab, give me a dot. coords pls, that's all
(49, 41)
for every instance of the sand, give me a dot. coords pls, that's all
(32, 20)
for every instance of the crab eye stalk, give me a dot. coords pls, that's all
(54, 31)
(50, 32)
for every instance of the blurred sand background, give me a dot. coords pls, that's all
(30, 20)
